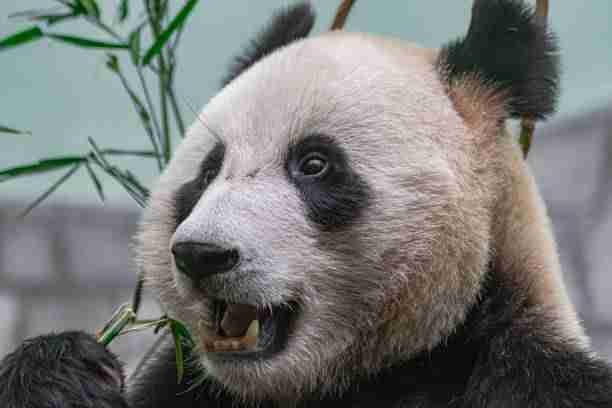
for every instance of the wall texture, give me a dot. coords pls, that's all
(68, 267)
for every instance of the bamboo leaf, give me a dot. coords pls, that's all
(85, 42)
(165, 35)
(91, 8)
(41, 166)
(182, 331)
(20, 38)
(134, 42)
(46, 16)
(118, 175)
(4, 129)
(112, 63)
(178, 346)
(135, 153)
(130, 178)
(123, 10)
(50, 191)
(68, 4)
(96, 181)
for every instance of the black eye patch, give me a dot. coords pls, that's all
(189, 194)
(335, 197)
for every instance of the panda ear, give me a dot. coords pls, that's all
(508, 49)
(287, 25)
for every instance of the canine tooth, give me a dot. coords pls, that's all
(236, 319)
(253, 330)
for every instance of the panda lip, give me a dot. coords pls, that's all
(248, 332)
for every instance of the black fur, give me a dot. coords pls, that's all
(189, 194)
(67, 370)
(506, 48)
(339, 197)
(285, 27)
(506, 354)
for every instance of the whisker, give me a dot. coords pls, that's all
(199, 118)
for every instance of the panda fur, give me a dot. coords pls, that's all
(418, 271)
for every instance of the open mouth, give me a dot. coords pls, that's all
(249, 332)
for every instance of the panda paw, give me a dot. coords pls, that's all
(67, 370)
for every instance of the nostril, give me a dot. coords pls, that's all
(199, 260)
(223, 259)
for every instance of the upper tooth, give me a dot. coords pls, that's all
(236, 319)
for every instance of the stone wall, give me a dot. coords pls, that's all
(68, 268)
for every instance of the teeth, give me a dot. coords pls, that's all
(253, 330)
(248, 341)
(237, 318)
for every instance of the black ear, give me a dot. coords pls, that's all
(506, 47)
(286, 26)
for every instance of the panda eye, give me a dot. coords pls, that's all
(314, 165)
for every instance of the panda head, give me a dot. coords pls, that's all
(345, 191)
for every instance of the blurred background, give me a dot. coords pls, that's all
(68, 264)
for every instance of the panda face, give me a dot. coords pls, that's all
(324, 193)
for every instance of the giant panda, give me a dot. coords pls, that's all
(348, 223)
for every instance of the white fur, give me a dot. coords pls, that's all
(404, 275)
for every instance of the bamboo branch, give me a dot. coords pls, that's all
(342, 14)
(528, 124)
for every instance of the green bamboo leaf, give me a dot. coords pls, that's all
(118, 175)
(112, 63)
(124, 152)
(4, 129)
(165, 35)
(50, 191)
(182, 331)
(85, 42)
(41, 166)
(178, 346)
(22, 37)
(123, 10)
(134, 42)
(45, 16)
(91, 8)
(68, 4)
(133, 181)
(96, 181)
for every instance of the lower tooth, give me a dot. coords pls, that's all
(249, 340)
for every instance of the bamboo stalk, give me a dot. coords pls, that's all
(342, 14)
(528, 124)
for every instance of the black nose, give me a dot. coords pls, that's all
(199, 260)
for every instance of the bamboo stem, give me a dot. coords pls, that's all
(528, 124)
(542, 9)
(342, 14)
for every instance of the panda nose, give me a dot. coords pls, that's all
(200, 260)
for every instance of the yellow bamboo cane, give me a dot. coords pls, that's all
(342, 14)
(528, 123)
